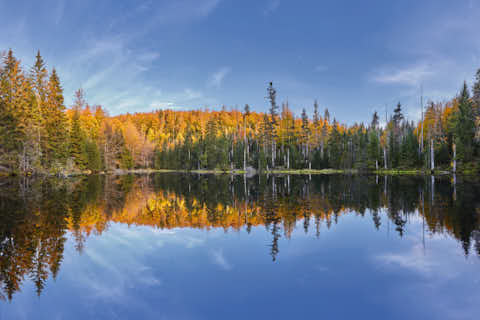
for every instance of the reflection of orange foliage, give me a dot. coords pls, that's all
(167, 210)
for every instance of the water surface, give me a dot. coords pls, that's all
(175, 246)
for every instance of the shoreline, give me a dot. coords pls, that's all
(413, 172)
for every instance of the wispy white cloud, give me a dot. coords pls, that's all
(60, 8)
(220, 260)
(320, 68)
(181, 11)
(154, 105)
(272, 6)
(410, 76)
(413, 260)
(190, 94)
(216, 79)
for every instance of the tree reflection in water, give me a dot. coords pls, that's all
(36, 217)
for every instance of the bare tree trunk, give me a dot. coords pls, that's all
(248, 150)
(307, 155)
(432, 156)
(385, 157)
(288, 157)
(273, 154)
(421, 139)
(244, 146)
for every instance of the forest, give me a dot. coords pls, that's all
(39, 134)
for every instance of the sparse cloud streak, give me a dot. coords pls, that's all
(220, 260)
(216, 79)
(410, 76)
(271, 7)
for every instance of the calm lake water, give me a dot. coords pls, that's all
(175, 246)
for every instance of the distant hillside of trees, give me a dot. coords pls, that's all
(40, 135)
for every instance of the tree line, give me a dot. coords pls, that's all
(39, 134)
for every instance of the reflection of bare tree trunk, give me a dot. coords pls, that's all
(421, 133)
(433, 187)
(245, 184)
(454, 158)
(288, 184)
(454, 187)
(385, 186)
(274, 192)
(422, 200)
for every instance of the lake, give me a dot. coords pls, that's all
(180, 246)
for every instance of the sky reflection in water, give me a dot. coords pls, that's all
(335, 266)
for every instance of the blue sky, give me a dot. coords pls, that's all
(353, 56)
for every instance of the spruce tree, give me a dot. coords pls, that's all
(211, 143)
(93, 160)
(305, 137)
(476, 93)
(464, 126)
(373, 150)
(375, 121)
(77, 142)
(55, 122)
(39, 75)
(15, 119)
(316, 123)
(335, 146)
(272, 97)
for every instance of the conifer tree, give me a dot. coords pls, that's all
(316, 123)
(77, 142)
(476, 93)
(16, 96)
(55, 122)
(464, 126)
(93, 161)
(39, 75)
(305, 138)
(334, 146)
(272, 134)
